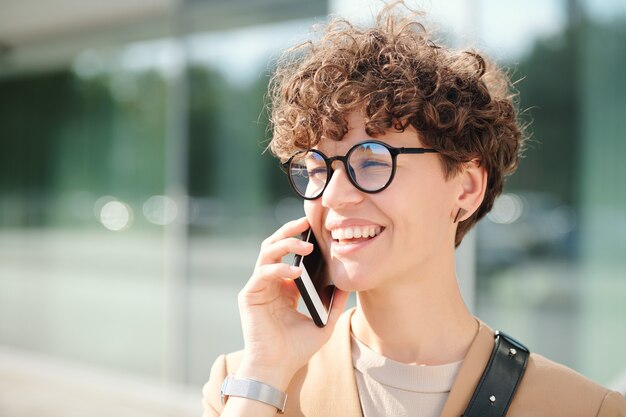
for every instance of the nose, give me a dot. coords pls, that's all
(340, 191)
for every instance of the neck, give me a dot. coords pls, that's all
(421, 319)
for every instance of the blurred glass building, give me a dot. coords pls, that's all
(135, 190)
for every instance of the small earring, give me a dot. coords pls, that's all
(460, 213)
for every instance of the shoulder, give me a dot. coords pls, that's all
(211, 392)
(551, 389)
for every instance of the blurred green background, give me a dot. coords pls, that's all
(134, 190)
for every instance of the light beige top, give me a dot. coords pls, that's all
(395, 389)
(326, 386)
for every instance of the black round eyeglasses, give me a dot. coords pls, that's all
(371, 166)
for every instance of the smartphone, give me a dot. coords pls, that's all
(314, 284)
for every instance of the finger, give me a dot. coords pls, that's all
(289, 229)
(286, 296)
(275, 251)
(266, 275)
(291, 293)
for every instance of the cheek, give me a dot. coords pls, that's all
(309, 210)
(313, 213)
(422, 216)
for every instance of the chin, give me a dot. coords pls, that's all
(352, 278)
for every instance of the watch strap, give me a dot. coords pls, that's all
(253, 390)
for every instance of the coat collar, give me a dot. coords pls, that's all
(330, 385)
(469, 375)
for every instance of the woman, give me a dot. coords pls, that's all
(410, 347)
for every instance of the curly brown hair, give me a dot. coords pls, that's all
(460, 103)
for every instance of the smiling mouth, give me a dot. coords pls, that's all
(355, 234)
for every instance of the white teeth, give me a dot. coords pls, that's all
(355, 232)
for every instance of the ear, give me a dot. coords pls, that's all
(472, 183)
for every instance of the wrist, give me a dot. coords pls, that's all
(274, 376)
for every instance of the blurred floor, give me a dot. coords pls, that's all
(35, 385)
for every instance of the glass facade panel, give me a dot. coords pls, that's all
(602, 183)
(550, 263)
(81, 259)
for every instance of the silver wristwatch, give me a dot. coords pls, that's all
(254, 390)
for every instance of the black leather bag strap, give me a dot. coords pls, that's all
(500, 379)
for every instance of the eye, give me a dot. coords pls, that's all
(373, 163)
(317, 172)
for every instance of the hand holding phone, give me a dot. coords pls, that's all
(314, 284)
(279, 340)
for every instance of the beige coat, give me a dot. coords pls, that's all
(326, 387)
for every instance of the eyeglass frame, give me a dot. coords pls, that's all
(393, 151)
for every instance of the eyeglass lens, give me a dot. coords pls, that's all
(370, 166)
